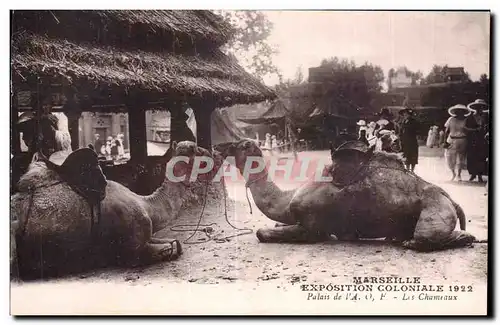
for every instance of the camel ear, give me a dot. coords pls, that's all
(174, 145)
(35, 158)
(168, 153)
(226, 148)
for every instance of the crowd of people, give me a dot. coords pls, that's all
(273, 143)
(465, 137)
(112, 149)
(406, 129)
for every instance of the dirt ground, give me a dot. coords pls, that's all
(210, 272)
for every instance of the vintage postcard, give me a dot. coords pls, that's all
(215, 162)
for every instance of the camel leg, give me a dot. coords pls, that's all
(141, 248)
(456, 239)
(435, 227)
(290, 234)
(155, 253)
(280, 224)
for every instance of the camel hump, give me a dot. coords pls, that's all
(353, 145)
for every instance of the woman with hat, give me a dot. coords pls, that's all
(385, 120)
(476, 126)
(370, 133)
(408, 138)
(456, 139)
(361, 126)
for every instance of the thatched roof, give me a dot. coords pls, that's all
(160, 26)
(199, 74)
(276, 113)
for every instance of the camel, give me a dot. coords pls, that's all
(56, 230)
(370, 195)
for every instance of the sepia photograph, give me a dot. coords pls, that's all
(250, 162)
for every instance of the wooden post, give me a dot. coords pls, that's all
(72, 110)
(15, 144)
(203, 115)
(137, 129)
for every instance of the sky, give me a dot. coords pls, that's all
(417, 40)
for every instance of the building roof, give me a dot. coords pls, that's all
(454, 70)
(276, 112)
(193, 70)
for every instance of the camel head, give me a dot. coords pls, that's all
(50, 134)
(184, 161)
(240, 150)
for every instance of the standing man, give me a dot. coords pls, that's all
(476, 126)
(408, 138)
(97, 144)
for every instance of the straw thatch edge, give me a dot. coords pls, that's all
(215, 73)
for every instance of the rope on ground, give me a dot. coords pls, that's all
(208, 229)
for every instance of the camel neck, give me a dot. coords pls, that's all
(258, 177)
(269, 198)
(166, 202)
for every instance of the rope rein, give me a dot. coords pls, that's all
(207, 229)
(247, 185)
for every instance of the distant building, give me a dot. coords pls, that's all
(104, 124)
(400, 79)
(454, 74)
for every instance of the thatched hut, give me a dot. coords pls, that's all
(127, 61)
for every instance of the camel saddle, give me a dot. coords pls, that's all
(352, 145)
(351, 159)
(81, 171)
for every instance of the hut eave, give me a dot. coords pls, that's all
(209, 75)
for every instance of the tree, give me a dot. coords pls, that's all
(345, 72)
(284, 84)
(299, 76)
(416, 77)
(352, 86)
(483, 79)
(249, 41)
(436, 75)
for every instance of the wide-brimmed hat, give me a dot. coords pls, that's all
(361, 123)
(25, 117)
(352, 145)
(478, 104)
(459, 107)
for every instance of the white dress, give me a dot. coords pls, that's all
(267, 144)
(429, 138)
(274, 145)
